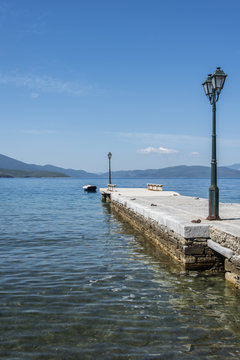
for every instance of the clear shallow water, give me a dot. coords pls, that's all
(77, 283)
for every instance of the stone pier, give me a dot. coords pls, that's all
(178, 226)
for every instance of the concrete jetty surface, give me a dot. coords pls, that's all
(178, 225)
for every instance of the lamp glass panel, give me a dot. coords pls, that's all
(220, 82)
(210, 87)
(205, 86)
(214, 82)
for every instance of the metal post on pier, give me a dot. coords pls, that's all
(109, 158)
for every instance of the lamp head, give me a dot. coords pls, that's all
(218, 79)
(109, 155)
(208, 86)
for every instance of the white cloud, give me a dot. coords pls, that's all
(195, 153)
(34, 95)
(37, 132)
(160, 136)
(158, 150)
(45, 83)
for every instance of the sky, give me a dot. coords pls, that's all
(81, 78)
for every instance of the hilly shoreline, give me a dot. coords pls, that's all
(10, 168)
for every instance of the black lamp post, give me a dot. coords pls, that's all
(212, 87)
(109, 158)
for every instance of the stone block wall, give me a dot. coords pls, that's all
(224, 239)
(232, 268)
(232, 264)
(193, 254)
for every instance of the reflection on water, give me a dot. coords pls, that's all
(77, 283)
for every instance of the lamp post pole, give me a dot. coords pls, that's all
(213, 190)
(212, 87)
(109, 158)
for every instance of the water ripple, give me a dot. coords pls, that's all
(75, 283)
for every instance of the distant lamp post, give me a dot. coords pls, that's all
(212, 87)
(109, 158)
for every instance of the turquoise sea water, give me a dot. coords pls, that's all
(78, 283)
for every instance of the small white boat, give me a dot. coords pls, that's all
(89, 188)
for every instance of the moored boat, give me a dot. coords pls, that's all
(89, 188)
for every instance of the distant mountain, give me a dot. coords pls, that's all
(181, 171)
(234, 167)
(9, 163)
(6, 173)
